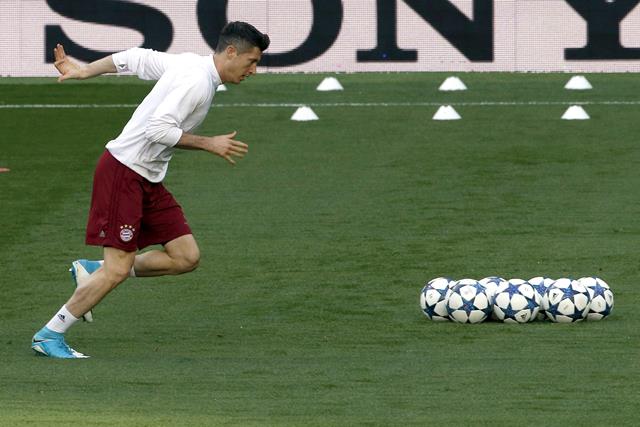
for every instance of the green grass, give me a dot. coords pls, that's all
(304, 310)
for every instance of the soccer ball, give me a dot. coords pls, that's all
(540, 285)
(490, 284)
(601, 297)
(433, 299)
(566, 301)
(516, 302)
(468, 302)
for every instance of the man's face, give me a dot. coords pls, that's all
(241, 65)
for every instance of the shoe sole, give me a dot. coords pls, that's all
(40, 352)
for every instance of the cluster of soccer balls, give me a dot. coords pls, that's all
(515, 300)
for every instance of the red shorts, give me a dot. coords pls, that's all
(129, 212)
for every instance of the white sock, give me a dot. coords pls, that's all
(62, 321)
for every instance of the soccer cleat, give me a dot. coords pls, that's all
(80, 270)
(51, 344)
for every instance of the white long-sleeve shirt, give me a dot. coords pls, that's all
(178, 103)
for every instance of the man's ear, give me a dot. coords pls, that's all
(231, 51)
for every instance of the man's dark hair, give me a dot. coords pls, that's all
(242, 36)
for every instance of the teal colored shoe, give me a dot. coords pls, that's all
(51, 344)
(80, 270)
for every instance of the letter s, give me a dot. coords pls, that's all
(153, 24)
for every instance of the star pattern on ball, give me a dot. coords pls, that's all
(540, 288)
(598, 289)
(575, 315)
(574, 300)
(512, 290)
(568, 293)
(430, 311)
(509, 312)
(468, 306)
(553, 310)
(479, 288)
(442, 292)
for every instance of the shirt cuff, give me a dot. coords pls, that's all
(120, 61)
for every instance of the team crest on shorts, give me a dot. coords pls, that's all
(126, 233)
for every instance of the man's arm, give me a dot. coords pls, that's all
(70, 70)
(222, 145)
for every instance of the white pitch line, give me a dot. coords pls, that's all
(426, 104)
(18, 106)
(338, 104)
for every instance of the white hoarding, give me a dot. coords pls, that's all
(337, 36)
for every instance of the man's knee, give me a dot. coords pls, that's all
(117, 265)
(190, 260)
(185, 254)
(116, 273)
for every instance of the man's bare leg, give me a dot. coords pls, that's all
(181, 255)
(49, 341)
(115, 270)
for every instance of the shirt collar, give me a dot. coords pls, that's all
(217, 81)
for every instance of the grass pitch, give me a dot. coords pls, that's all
(314, 249)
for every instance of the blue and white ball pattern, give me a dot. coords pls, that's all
(566, 301)
(516, 302)
(434, 297)
(540, 284)
(468, 302)
(601, 297)
(490, 285)
(563, 300)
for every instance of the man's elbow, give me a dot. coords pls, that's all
(162, 132)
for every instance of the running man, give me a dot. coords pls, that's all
(130, 208)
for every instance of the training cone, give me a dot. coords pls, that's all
(575, 112)
(329, 83)
(304, 114)
(446, 112)
(221, 88)
(452, 83)
(578, 83)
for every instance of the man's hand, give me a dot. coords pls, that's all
(225, 146)
(221, 145)
(70, 70)
(65, 66)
